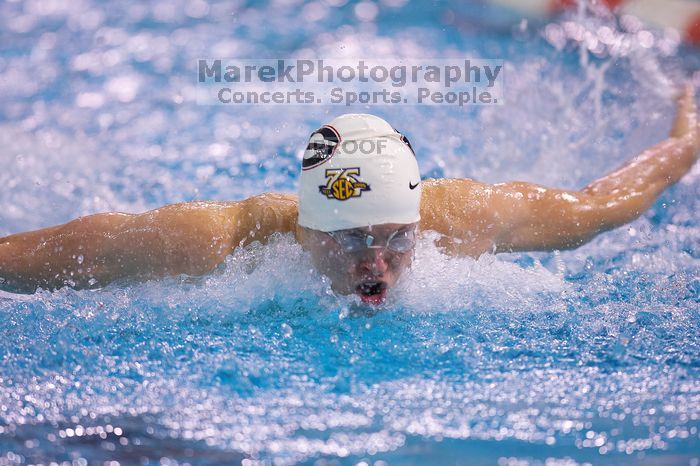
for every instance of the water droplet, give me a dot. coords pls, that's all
(286, 330)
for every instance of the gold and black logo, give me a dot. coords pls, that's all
(343, 184)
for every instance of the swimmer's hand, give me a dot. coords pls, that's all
(475, 217)
(188, 238)
(686, 124)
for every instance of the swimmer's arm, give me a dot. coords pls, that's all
(92, 251)
(544, 219)
(475, 218)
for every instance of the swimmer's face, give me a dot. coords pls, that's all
(355, 268)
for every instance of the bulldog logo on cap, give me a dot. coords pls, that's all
(322, 146)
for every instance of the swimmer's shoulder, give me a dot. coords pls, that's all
(442, 198)
(462, 211)
(260, 216)
(239, 222)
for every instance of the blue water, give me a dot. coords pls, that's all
(585, 356)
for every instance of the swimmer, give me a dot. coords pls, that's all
(360, 206)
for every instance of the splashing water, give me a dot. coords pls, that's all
(589, 355)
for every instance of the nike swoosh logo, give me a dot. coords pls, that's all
(413, 186)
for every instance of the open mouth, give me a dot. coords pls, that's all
(372, 292)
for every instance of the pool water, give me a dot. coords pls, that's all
(584, 356)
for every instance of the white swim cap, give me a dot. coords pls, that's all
(358, 171)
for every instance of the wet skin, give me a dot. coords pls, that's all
(471, 218)
(369, 272)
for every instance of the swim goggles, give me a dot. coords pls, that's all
(354, 240)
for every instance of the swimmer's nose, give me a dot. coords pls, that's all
(374, 262)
